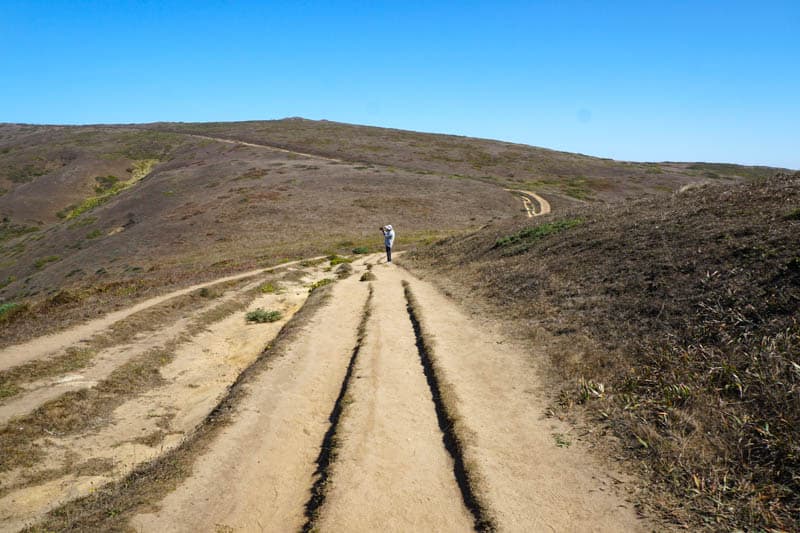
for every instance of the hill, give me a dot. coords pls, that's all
(660, 297)
(674, 322)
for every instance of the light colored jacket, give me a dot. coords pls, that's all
(388, 235)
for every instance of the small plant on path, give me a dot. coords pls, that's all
(262, 316)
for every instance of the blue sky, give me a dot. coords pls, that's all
(644, 80)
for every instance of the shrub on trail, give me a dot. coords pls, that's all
(261, 316)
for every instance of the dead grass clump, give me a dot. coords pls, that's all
(73, 359)
(344, 271)
(79, 410)
(367, 276)
(691, 304)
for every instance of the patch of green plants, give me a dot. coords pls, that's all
(360, 250)
(321, 283)
(108, 189)
(105, 183)
(792, 215)
(262, 316)
(338, 260)
(521, 241)
(3, 191)
(8, 281)
(9, 310)
(562, 441)
(311, 262)
(94, 234)
(270, 287)
(42, 261)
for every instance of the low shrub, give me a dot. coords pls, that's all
(262, 316)
(321, 283)
(361, 250)
(9, 310)
(270, 287)
(522, 240)
(338, 260)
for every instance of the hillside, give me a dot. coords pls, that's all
(171, 294)
(674, 322)
(93, 216)
(576, 177)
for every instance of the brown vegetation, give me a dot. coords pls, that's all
(675, 321)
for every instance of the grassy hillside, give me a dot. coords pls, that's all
(92, 216)
(675, 322)
(575, 176)
(114, 214)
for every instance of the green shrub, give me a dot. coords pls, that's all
(320, 283)
(527, 236)
(94, 234)
(9, 310)
(270, 288)
(105, 183)
(361, 250)
(261, 316)
(338, 260)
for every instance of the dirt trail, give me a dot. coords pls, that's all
(257, 474)
(527, 202)
(267, 146)
(391, 467)
(527, 475)
(49, 345)
(389, 409)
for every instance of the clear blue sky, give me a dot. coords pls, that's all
(638, 80)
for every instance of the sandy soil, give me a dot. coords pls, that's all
(202, 369)
(50, 345)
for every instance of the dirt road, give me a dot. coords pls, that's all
(385, 461)
(528, 197)
(389, 409)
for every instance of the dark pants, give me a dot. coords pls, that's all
(389, 254)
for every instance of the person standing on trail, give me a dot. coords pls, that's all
(388, 240)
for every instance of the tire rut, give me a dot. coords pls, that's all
(447, 420)
(328, 448)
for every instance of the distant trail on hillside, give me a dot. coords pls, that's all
(267, 146)
(527, 201)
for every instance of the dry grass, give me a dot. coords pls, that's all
(674, 322)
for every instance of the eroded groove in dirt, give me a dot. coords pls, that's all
(110, 508)
(446, 419)
(327, 452)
